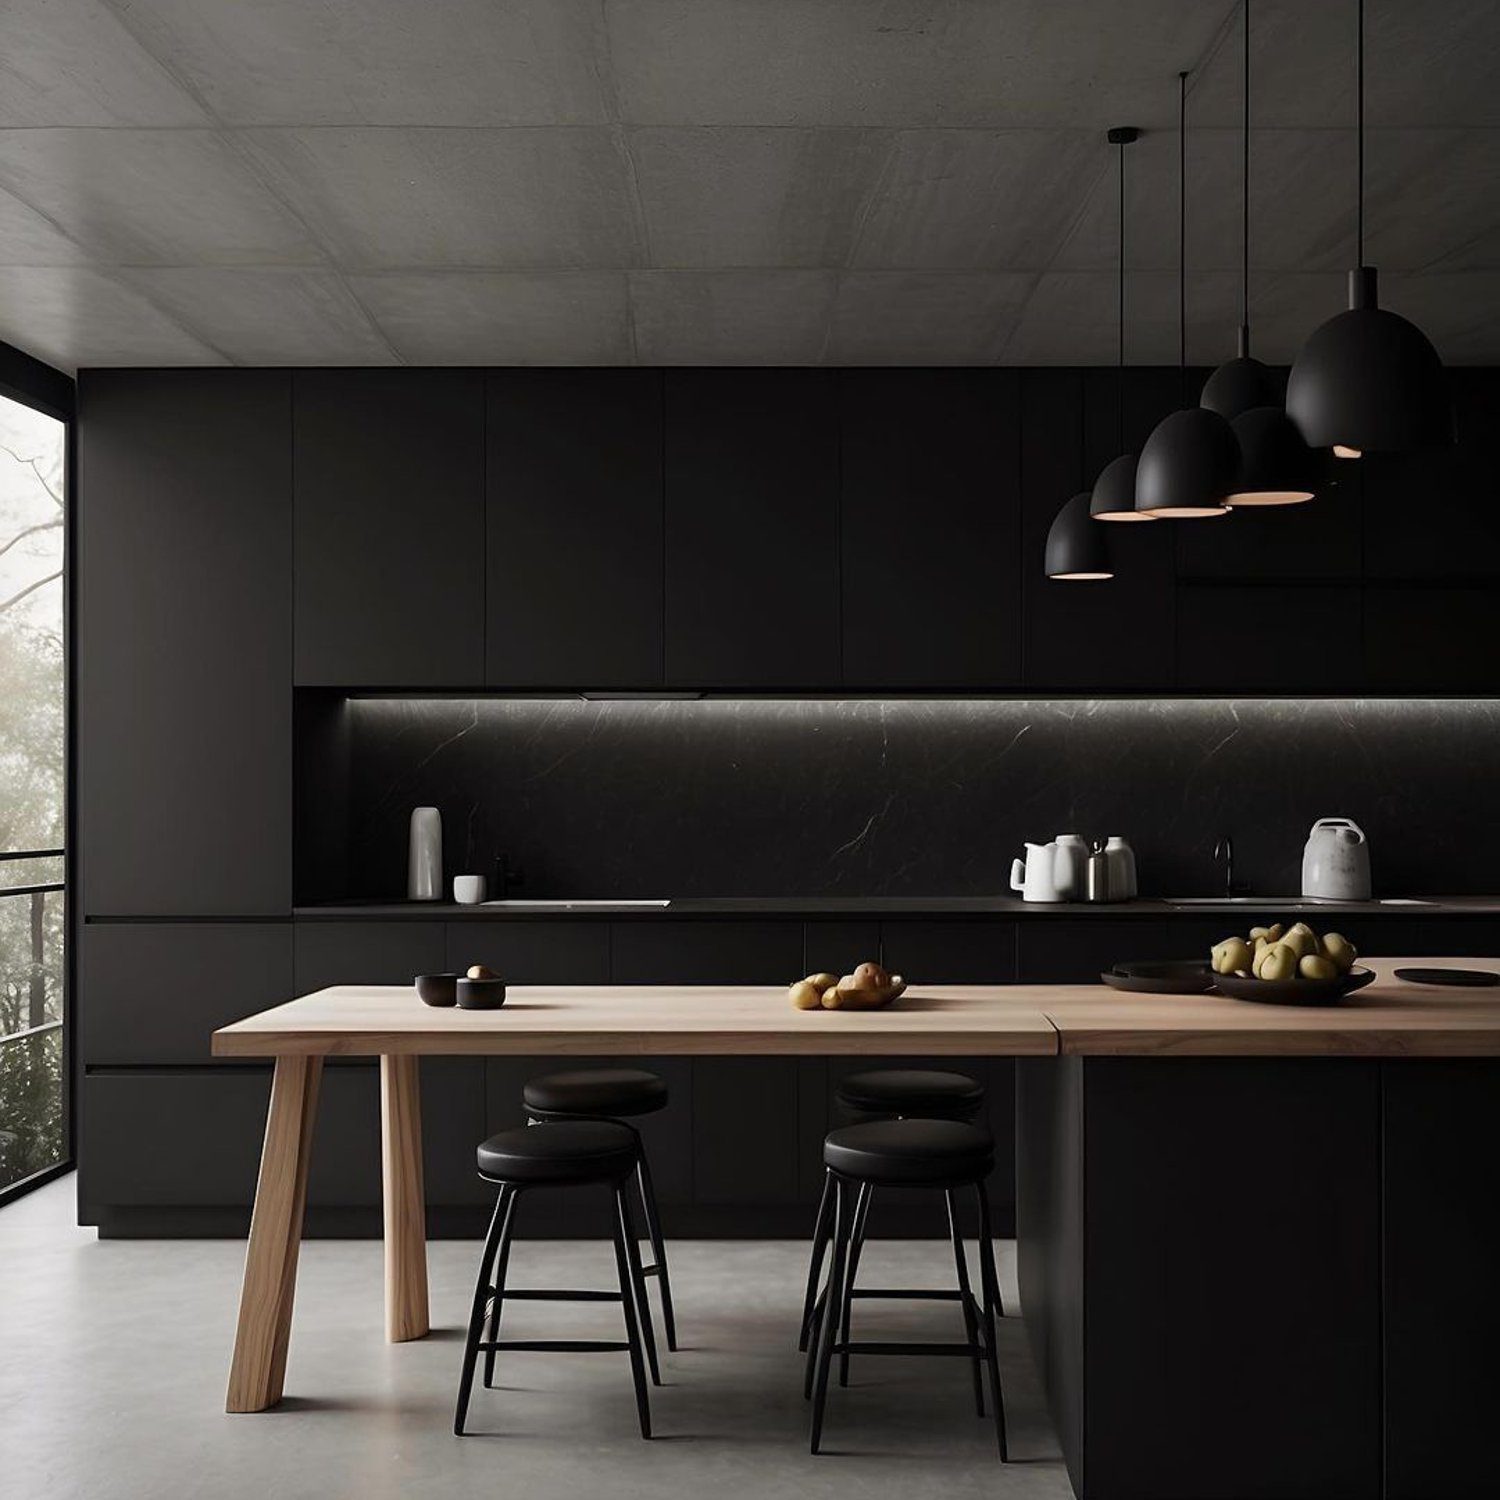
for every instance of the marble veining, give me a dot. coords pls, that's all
(914, 797)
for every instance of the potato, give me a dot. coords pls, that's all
(1301, 940)
(1315, 966)
(871, 976)
(1233, 953)
(821, 981)
(835, 997)
(805, 995)
(1340, 952)
(479, 971)
(1280, 962)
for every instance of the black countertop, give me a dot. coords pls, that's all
(814, 907)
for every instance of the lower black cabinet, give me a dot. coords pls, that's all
(154, 992)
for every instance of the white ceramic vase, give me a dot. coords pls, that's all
(424, 855)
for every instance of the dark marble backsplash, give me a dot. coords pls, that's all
(919, 798)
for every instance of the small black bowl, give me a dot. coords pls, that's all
(438, 989)
(481, 994)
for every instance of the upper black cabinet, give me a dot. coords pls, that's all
(929, 528)
(752, 581)
(574, 505)
(184, 595)
(389, 476)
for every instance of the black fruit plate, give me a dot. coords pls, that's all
(1468, 978)
(1167, 976)
(1294, 991)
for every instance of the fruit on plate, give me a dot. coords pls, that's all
(867, 987)
(1231, 956)
(1278, 953)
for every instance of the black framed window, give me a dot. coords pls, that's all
(35, 1138)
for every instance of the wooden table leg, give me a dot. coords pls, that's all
(270, 1284)
(406, 1314)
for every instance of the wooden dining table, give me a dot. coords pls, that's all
(389, 1022)
(1390, 1019)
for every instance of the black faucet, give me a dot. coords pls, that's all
(1224, 850)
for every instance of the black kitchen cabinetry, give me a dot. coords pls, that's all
(390, 531)
(573, 484)
(751, 484)
(184, 703)
(928, 528)
(1433, 638)
(1268, 638)
(155, 992)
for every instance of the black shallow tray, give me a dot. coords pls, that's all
(1294, 991)
(1164, 976)
(1471, 978)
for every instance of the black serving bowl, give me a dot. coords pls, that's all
(438, 989)
(1294, 991)
(481, 994)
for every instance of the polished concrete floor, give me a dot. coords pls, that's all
(113, 1357)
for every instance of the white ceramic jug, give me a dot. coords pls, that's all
(1036, 876)
(1072, 866)
(1336, 861)
(1122, 882)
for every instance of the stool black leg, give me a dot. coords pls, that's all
(856, 1245)
(658, 1248)
(832, 1304)
(821, 1227)
(971, 1324)
(502, 1265)
(638, 1283)
(627, 1306)
(991, 1305)
(476, 1314)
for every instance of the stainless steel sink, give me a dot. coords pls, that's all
(1235, 900)
(588, 905)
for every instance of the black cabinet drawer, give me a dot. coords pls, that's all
(1274, 639)
(1441, 639)
(1057, 950)
(574, 536)
(389, 477)
(154, 992)
(192, 1139)
(664, 952)
(556, 952)
(330, 953)
(951, 952)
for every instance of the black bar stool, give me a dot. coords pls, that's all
(615, 1095)
(940, 1154)
(887, 1094)
(568, 1154)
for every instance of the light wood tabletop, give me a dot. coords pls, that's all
(704, 1020)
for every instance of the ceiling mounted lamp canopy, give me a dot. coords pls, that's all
(1368, 380)
(1187, 466)
(1077, 548)
(1274, 466)
(1113, 498)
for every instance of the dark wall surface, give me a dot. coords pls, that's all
(747, 797)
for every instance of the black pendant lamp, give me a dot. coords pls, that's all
(1275, 466)
(1113, 498)
(1187, 465)
(1077, 546)
(1368, 380)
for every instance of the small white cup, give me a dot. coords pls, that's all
(469, 890)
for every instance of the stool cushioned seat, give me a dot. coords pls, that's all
(596, 1091)
(568, 1151)
(916, 1092)
(911, 1151)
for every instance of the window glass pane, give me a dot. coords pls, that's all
(33, 784)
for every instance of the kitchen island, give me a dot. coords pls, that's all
(1256, 1244)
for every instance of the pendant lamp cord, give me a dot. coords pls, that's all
(1245, 191)
(1182, 238)
(1359, 134)
(1120, 348)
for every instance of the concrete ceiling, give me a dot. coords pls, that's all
(724, 181)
